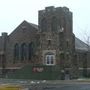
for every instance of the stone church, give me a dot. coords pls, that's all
(51, 44)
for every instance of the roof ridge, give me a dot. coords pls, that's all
(32, 24)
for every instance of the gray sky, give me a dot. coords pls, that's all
(13, 12)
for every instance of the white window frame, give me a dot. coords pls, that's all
(50, 59)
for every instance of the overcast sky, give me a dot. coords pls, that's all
(13, 12)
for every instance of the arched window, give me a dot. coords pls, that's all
(54, 24)
(43, 25)
(49, 59)
(31, 50)
(23, 52)
(16, 53)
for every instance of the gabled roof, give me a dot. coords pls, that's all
(32, 24)
(80, 45)
(25, 24)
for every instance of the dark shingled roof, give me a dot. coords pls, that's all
(33, 25)
(80, 45)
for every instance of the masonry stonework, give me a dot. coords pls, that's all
(50, 43)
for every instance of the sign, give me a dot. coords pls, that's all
(37, 69)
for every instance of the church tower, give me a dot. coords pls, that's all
(56, 37)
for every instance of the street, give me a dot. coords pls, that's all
(49, 85)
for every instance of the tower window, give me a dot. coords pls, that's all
(63, 23)
(54, 24)
(43, 24)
